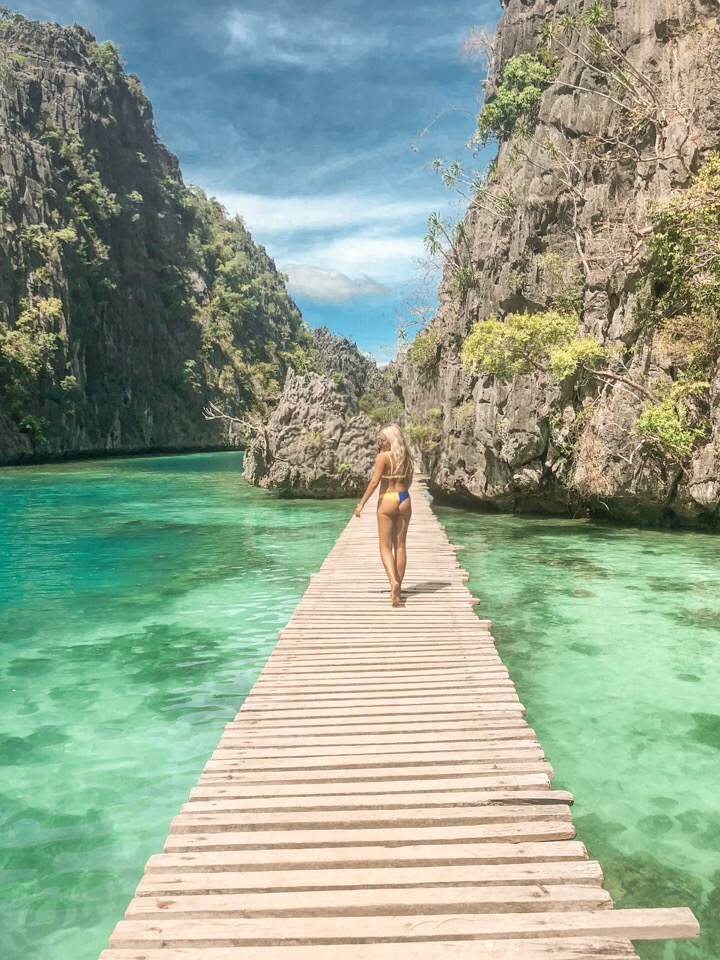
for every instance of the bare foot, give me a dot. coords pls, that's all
(395, 595)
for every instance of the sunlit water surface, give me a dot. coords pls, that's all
(139, 599)
(612, 637)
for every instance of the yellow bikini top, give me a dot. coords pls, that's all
(395, 476)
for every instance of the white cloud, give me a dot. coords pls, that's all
(386, 257)
(346, 236)
(330, 286)
(311, 42)
(319, 212)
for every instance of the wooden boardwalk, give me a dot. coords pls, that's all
(380, 797)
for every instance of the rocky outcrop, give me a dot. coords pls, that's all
(316, 443)
(128, 300)
(339, 359)
(567, 216)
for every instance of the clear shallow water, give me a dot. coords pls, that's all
(612, 637)
(139, 599)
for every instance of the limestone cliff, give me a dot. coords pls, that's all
(127, 299)
(321, 440)
(565, 214)
(316, 443)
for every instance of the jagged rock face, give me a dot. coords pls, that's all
(509, 449)
(154, 302)
(315, 444)
(337, 357)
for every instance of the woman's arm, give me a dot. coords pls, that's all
(380, 464)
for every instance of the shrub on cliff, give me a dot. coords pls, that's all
(672, 417)
(685, 249)
(517, 95)
(423, 351)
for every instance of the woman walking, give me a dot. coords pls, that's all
(394, 472)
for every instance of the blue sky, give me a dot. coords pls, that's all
(305, 118)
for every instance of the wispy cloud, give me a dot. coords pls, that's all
(336, 248)
(320, 212)
(389, 258)
(312, 42)
(330, 286)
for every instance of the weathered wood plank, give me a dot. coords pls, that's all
(350, 857)
(516, 832)
(369, 753)
(481, 761)
(460, 782)
(224, 818)
(228, 932)
(388, 771)
(574, 948)
(178, 882)
(381, 901)
(219, 792)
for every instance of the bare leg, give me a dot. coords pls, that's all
(385, 517)
(400, 530)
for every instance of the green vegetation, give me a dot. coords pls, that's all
(26, 354)
(674, 423)
(423, 351)
(526, 342)
(87, 206)
(387, 411)
(463, 416)
(313, 441)
(248, 314)
(685, 246)
(107, 56)
(672, 418)
(10, 16)
(562, 282)
(517, 95)
(424, 431)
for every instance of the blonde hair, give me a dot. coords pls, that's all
(400, 459)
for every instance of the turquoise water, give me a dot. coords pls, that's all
(139, 599)
(612, 637)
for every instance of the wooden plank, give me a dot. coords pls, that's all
(350, 760)
(472, 707)
(196, 817)
(425, 723)
(242, 788)
(575, 948)
(516, 832)
(291, 743)
(171, 883)
(374, 902)
(656, 924)
(454, 749)
(350, 857)
(389, 771)
(218, 792)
